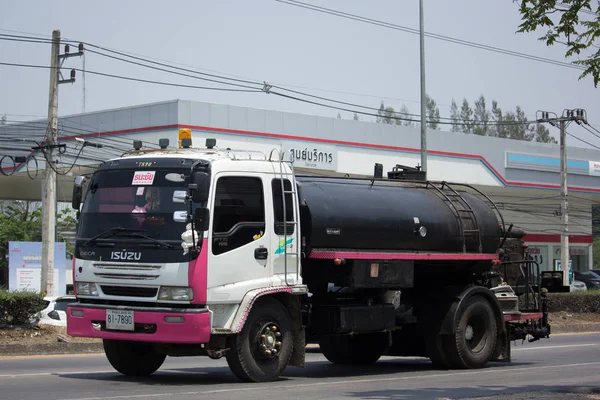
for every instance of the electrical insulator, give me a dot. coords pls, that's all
(80, 47)
(72, 74)
(67, 48)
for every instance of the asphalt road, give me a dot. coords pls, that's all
(563, 363)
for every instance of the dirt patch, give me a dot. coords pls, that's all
(563, 318)
(40, 335)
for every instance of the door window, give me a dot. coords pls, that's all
(278, 206)
(238, 213)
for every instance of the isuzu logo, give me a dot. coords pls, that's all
(126, 255)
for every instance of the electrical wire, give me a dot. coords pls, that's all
(371, 21)
(128, 78)
(437, 121)
(173, 72)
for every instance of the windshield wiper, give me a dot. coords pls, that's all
(111, 232)
(141, 235)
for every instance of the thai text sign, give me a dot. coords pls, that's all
(595, 168)
(25, 267)
(311, 155)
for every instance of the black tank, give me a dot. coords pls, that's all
(386, 216)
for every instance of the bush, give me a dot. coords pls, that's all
(17, 307)
(577, 302)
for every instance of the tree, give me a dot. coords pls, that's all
(454, 117)
(567, 28)
(355, 117)
(339, 116)
(466, 117)
(433, 113)
(3, 120)
(386, 115)
(518, 127)
(405, 113)
(542, 134)
(481, 116)
(500, 129)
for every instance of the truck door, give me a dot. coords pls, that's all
(284, 244)
(239, 244)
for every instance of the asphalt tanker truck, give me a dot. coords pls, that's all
(221, 253)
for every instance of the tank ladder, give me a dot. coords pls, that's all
(462, 211)
(291, 177)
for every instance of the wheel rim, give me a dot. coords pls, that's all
(267, 341)
(476, 334)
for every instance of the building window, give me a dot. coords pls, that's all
(238, 213)
(540, 254)
(579, 256)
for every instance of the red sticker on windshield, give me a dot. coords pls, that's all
(143, 177)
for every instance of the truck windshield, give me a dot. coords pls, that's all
(134, 201)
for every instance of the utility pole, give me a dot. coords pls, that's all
(49, 195)
(577, 115)
(48, 147)
(564, 206)
(423, 93)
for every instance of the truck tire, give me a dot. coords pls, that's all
(474, 341)
(436, 352)
(133, 358)
(262, 350)
(360, 349)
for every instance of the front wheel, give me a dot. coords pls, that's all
(132, 358)
(474, 342)
(262, 350)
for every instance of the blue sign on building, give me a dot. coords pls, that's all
(25, 267)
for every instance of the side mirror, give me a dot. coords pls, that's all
(77, 192)
(199, 187)
(201, 219)
(54, 315)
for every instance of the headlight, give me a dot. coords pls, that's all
(176, 293)
(87, 289)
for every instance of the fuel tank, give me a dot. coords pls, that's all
(339, 213)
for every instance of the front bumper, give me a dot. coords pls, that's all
(151, 324)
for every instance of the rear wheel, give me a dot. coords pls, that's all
(360, 349)
(262, 350)
(436, 351)
(133, 358)
(474, 341)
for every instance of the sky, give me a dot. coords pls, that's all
(300, 49)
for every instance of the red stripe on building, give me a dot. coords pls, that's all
(550, 238)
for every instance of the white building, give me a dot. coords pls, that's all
(521, 177)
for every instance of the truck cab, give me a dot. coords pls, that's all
(174, 246)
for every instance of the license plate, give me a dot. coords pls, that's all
(121, 320)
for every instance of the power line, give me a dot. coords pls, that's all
(173, 72)
(582, 140)
(240, 78)
(438, 120)
(470, 123)
(132, 79)
(384, 24)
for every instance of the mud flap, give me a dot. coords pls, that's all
(298, 358)
(502, 353)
